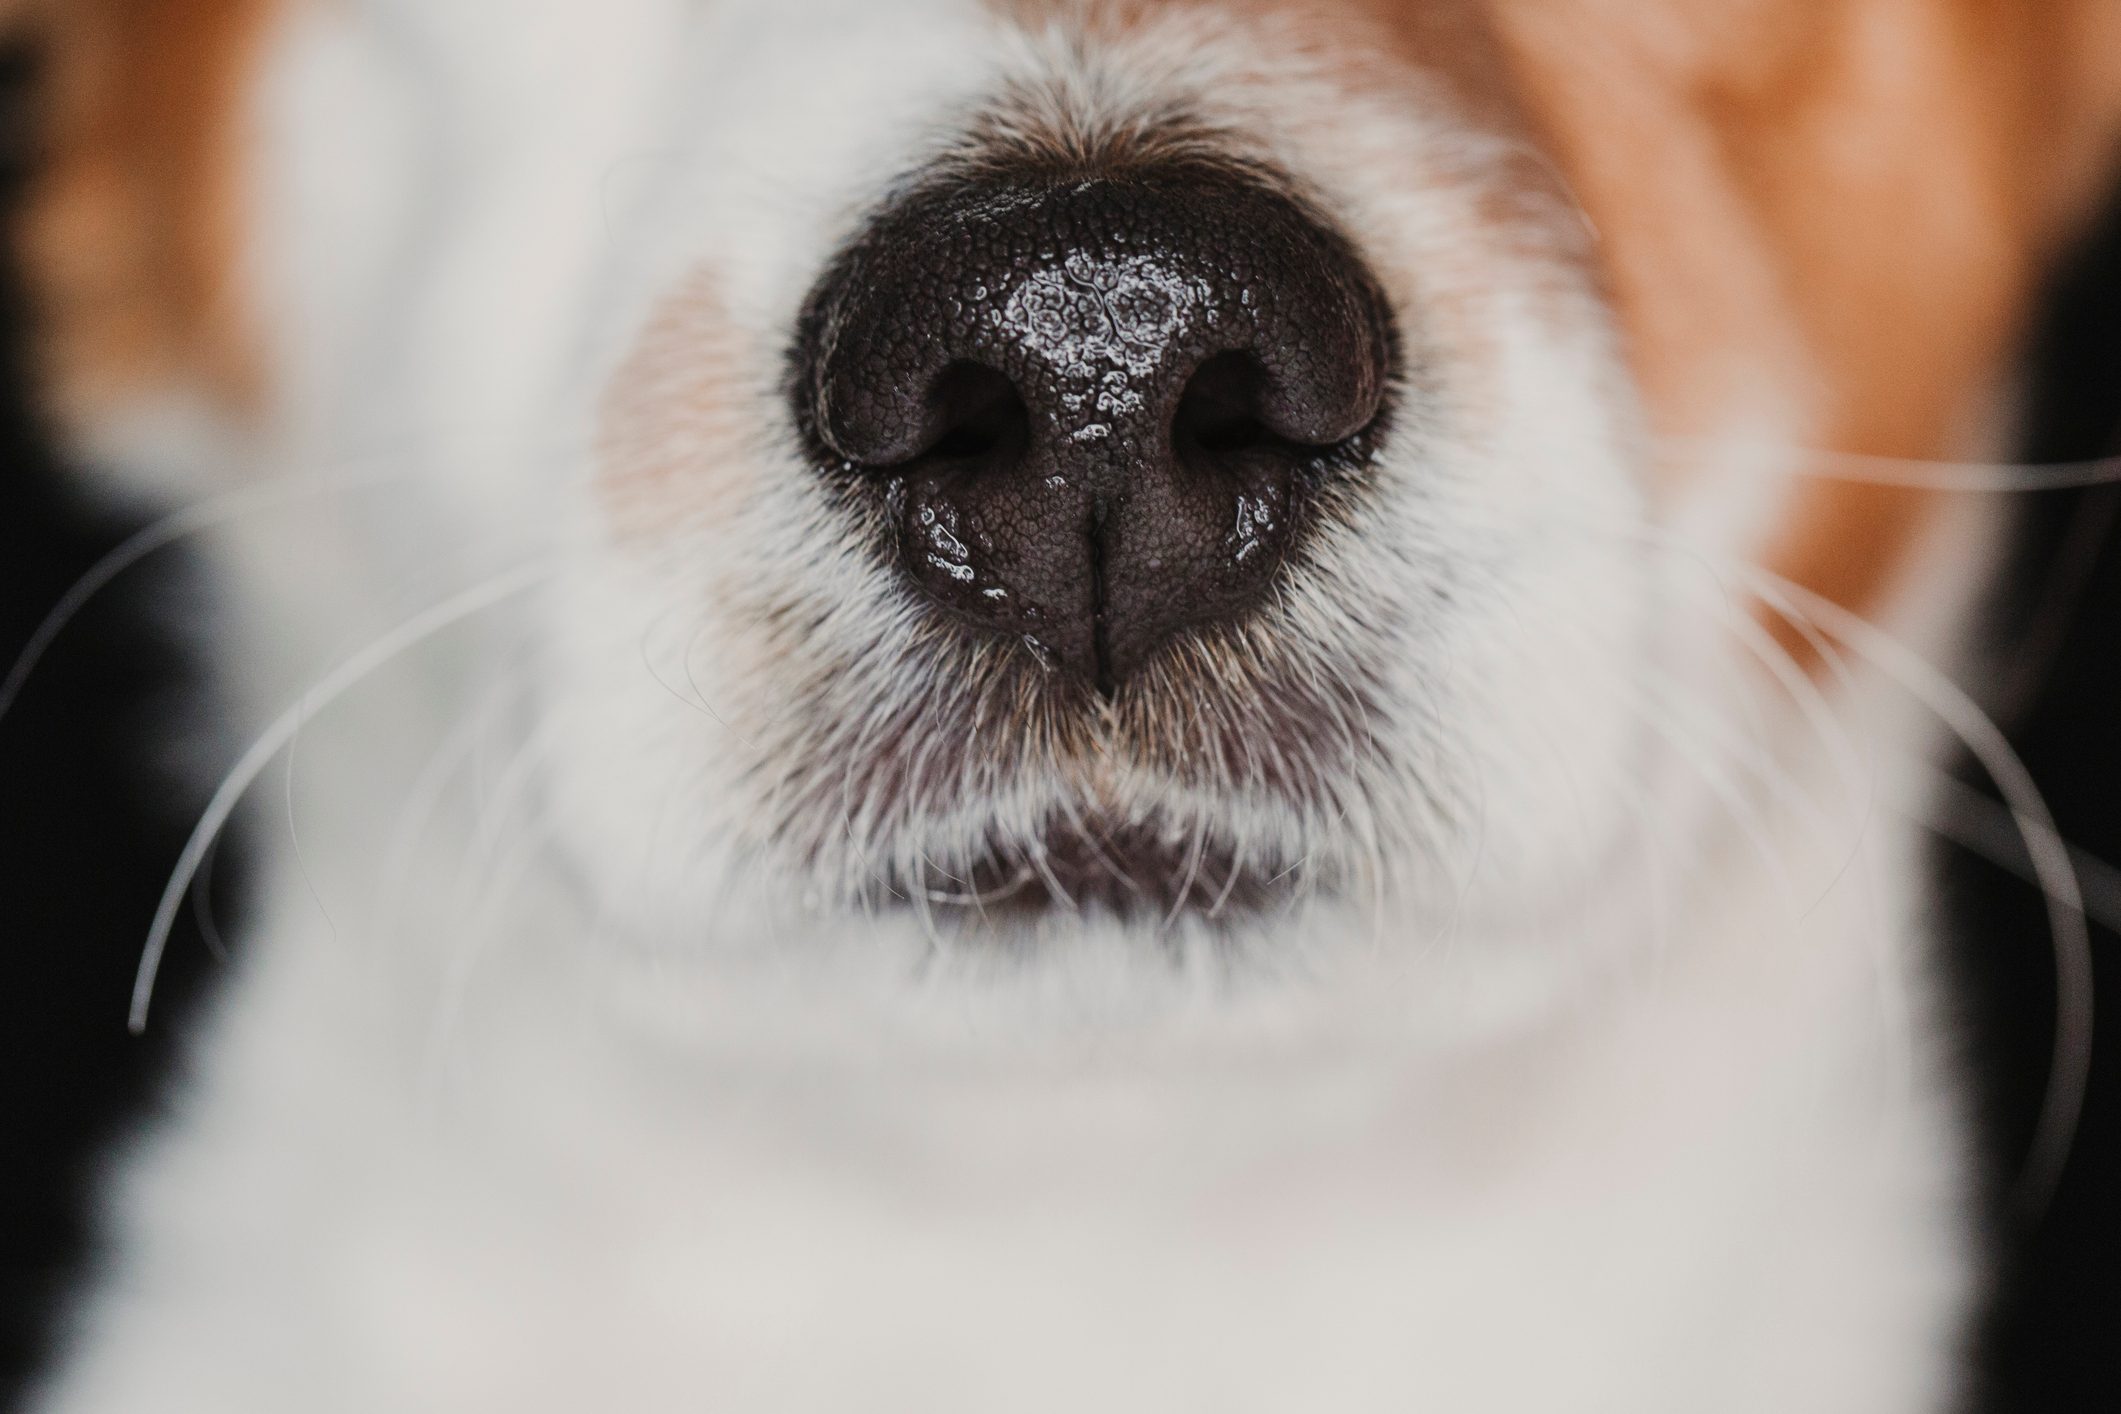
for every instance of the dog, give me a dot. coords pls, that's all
(1022, 704)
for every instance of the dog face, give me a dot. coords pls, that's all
(1102, 499)
(1155, 469)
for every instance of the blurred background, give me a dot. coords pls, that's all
(90, 821)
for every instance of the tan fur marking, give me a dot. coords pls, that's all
(135, 225)
(1844, 202)
(676, 432)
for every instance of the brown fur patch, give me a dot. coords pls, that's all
(135, 225)
(1847, 201)
(676, 431)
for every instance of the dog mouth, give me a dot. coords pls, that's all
(977, 784)
(980, 785)
(1130, 872)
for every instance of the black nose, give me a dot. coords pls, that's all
(1099, 409)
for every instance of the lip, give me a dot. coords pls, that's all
(1131, 872)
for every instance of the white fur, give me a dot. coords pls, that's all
(1600, 1072)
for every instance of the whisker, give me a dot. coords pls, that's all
(1981, 825)
(1725, 758)
(177, 525)
(1979, 478)
(254, 760)
(202, 905)
(1000, 893)
(424, 798)
(1857, 772)
(2070, 1064)
(1195, 853)
(2052, 863)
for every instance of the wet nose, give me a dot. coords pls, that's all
(1099, 411)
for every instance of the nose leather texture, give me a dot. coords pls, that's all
(1096, 407)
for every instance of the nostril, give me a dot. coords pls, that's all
(1219, 411)
(1222, 414)
(977, 415)
(965, 412)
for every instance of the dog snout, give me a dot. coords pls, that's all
(1098, 408)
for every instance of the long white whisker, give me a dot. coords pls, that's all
(2070, 1065)
(202, 905)
(180, 524)
(283, 729)
(1857, 771)
(2050, 859)
(1957, 812)
(1999, 479)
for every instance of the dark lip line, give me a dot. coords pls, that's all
(1130, 873)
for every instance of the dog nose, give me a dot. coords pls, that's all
(1100, 411)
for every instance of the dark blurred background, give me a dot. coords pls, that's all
(90, 821)
(2053, 1338)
